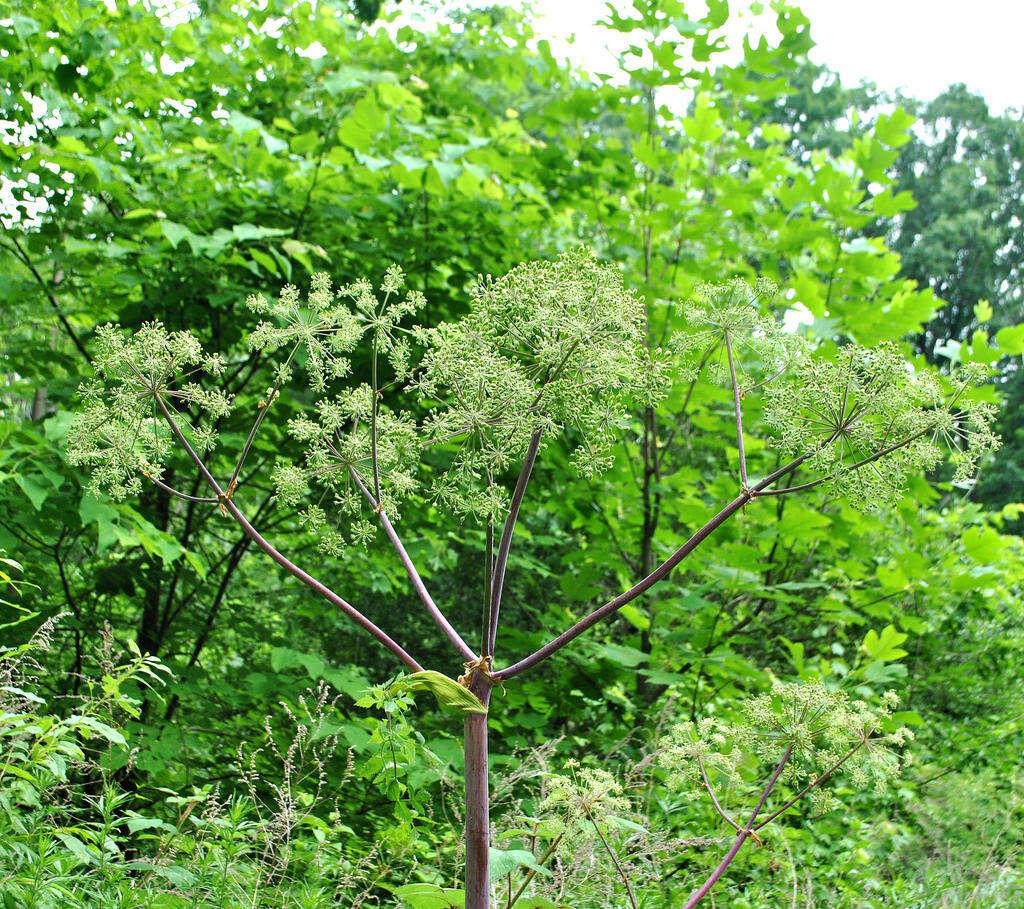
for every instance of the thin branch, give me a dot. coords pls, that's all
(488, 574)
(861, 463)
(714, 798)
(264, 407)
(615, 861)
(505, 543)
(532, 873)
(741, 837)
(23, 257)
(739, 412)
(659, 573)
(283, 560)
(816, 782)
(373, 425)
(203, 500)
(414, 576)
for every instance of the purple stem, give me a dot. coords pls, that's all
(282, 560)
(741, 837)
(817, 782)
(478, 824)
(505, 543)
(414, 576)
(714, 798)
(202, 500)
(647, 583)
(863, 462)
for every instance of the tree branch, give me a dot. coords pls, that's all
(27, 262)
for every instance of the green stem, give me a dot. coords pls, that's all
(532, 873)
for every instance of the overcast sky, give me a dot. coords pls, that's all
(918, 45)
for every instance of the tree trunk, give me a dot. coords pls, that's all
(478, 824)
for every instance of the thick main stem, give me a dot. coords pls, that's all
(478, 802)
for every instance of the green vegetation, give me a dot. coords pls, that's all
(745, 338)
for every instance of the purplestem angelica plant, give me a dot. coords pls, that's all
(805, 733)
(552, 350)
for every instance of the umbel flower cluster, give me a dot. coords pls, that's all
(814, 734)
(120, 430)
(732, 332)
(866, 422)
(551, 349)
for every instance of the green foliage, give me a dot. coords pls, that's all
(171, 190)
(75, 835)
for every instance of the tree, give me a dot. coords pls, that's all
(961, 165)
(964, 239)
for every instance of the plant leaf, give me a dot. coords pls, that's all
(449, 693)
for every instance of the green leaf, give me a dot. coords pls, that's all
(449, 693)
(980, 351)
(174, 232)
(100, 728)
(505, 861)
(885, 646)
(624, 656)
(447, 171)
(1011, 339)
(24, 27)
(77, 848)
(893, 129)
(135, 824)
(635, 617)
(242, 124)
(298, 251)
(703, 127)
(430, 896)
(252, 232)
(36, 493)
(104, 515)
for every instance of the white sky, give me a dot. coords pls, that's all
(920, 46)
